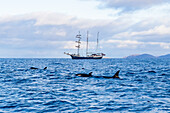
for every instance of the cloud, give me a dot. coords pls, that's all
(157, 30)
(52, 34)
(47, 18)
(136, 44)
(129, 5)
(148, 25)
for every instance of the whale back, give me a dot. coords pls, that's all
(84, 75)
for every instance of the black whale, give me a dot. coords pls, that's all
(37, 68)
(116, 75)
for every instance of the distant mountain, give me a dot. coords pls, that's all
(147, 56)
(141, 56)
(165, 56)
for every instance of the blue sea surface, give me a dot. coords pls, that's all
(144, 85)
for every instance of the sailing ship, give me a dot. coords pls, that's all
(88, 54)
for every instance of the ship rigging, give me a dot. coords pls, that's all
(88, 54)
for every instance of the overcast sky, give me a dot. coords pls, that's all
(47, 28)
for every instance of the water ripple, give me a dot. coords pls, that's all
(143, 87)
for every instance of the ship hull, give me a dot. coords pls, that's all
(90, 57)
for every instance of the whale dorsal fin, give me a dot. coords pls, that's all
(45, 68)
(90, 73)
(116, 75)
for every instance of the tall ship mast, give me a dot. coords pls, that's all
(88, 55)
(78, 43)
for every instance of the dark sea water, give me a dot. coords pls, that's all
(144, 86)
